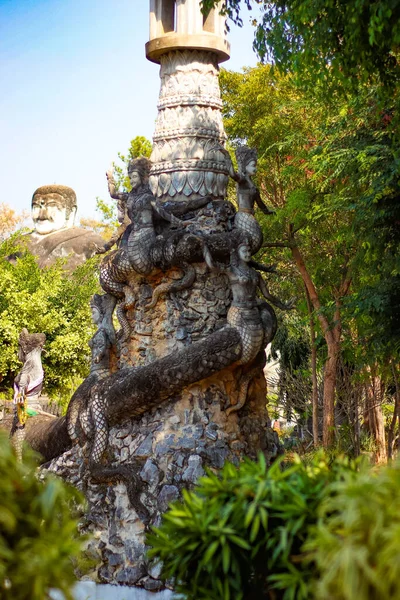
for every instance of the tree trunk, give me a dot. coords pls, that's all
(375, 419)
(396, 414)
(313, 372)
(332, 335)
(330, 371)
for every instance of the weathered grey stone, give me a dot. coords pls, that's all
(152, 584)
(181, 333)
(188, 443)
(168, 494)
(114, 560)
(179, 459)
(131, 575)
(194, 469)
(135, 550)
(145, 447)
(150, 473)
(174, 420)
(154, 569)
(106, 574)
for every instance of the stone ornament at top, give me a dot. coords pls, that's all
(178, 24)
(189, 131)
(54, 235)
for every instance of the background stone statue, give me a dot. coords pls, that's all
(54, 235)
(27, 385)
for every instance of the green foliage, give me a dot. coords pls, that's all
(38, 530)
(51, 301)
(355, 544)
(330, 44)
(239, 535)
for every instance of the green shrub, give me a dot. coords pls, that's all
(38, 534)
(51, 301)
(239, 535)
(356, 543)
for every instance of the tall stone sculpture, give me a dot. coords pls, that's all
(181, 384)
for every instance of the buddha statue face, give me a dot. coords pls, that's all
(53, 208)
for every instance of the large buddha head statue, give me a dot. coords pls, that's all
(53, 208)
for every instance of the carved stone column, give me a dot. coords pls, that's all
(189, 47)
(189, 128)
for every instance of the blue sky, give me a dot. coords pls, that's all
(75, 89)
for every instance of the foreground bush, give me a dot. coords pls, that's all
(356, 543)
(38, 535)
(239, 536)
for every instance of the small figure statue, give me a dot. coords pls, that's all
(247, 195)
(27, 385)
(101, 343)
(244, 312)
(123, 219)
(254, 318)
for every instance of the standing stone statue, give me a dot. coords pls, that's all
(247, 194)
(55, 236)
(27, 385)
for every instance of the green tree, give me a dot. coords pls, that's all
(270, 113)
(332, 174)
(50, 301)
(334, 43)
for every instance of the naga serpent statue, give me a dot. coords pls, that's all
(250, 320)
(27, 385)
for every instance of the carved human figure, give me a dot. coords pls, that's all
(54, 236)
(27, 385)
(244, 313)
(121, 266)
(118, 236)
(101, 343)
(247, 195)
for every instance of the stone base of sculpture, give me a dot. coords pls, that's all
(166, 450)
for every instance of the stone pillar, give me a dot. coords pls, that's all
(189, 128)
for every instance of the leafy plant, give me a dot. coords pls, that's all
(355, 545)
(239, 535)
(50, 301)
(38, 530)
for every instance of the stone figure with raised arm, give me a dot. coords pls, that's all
(133, 257)
(122, 215)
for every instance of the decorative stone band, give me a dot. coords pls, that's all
(200, 100)
(165, 134)
(192, 165)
